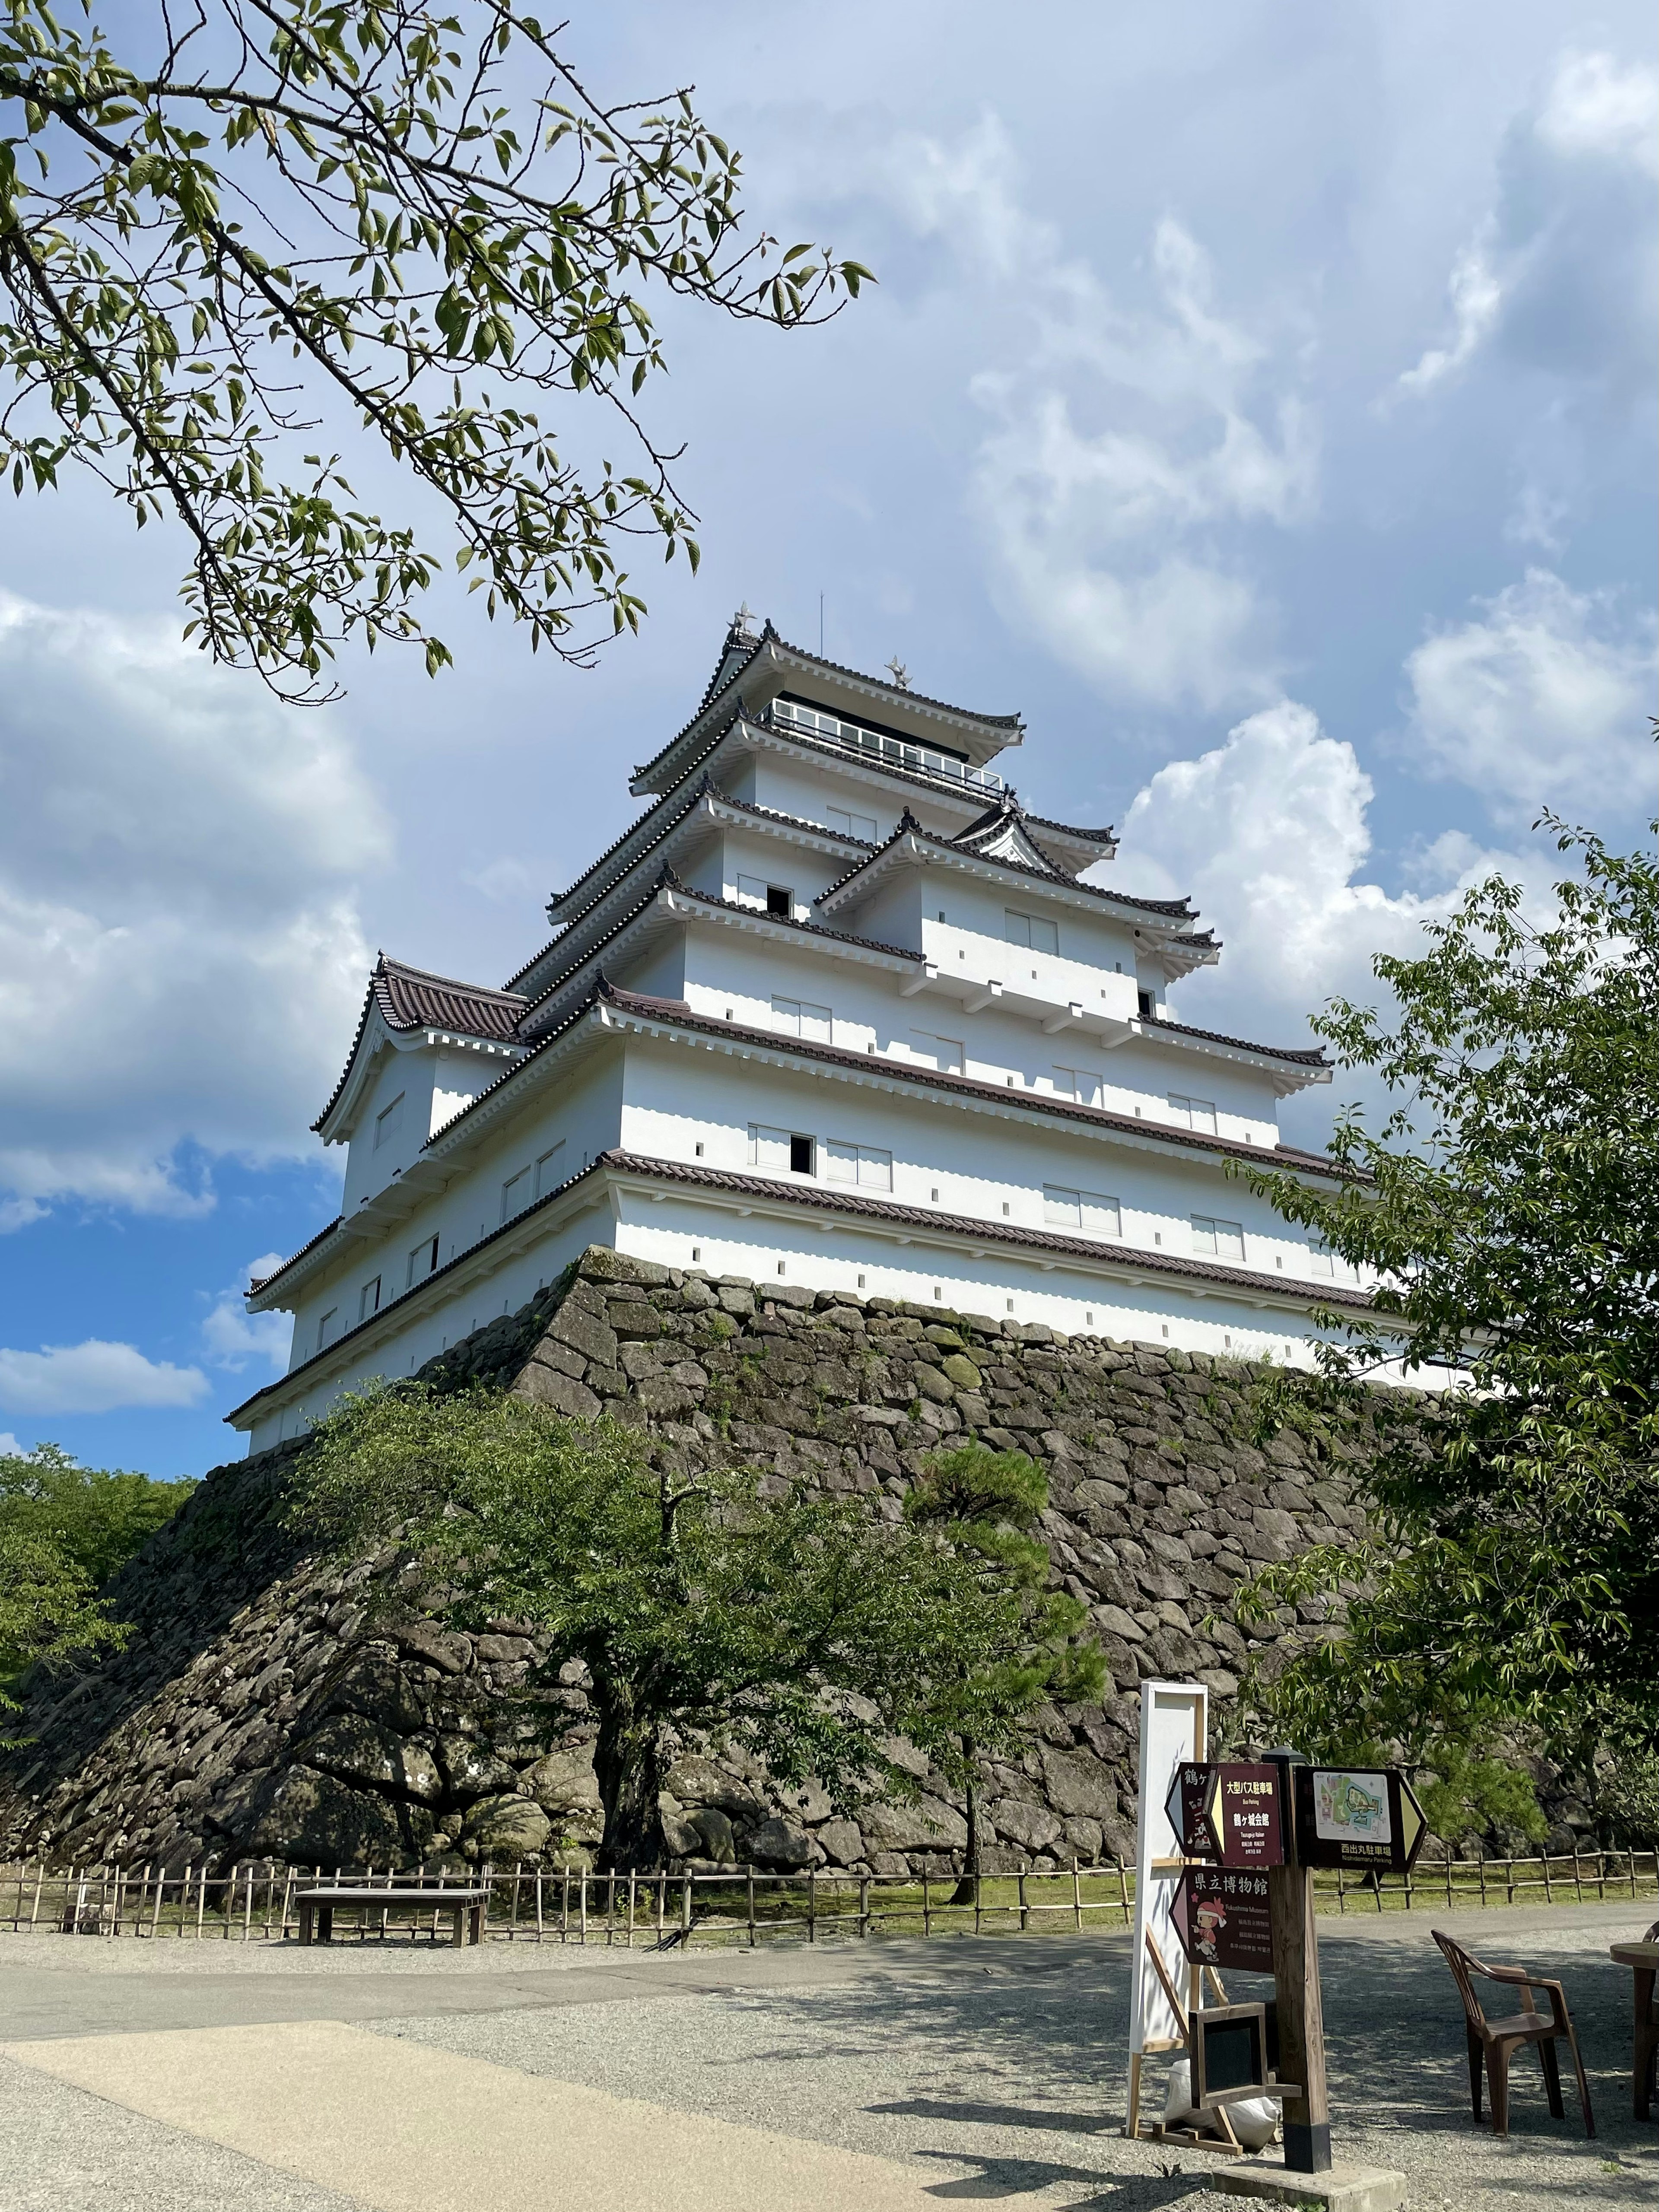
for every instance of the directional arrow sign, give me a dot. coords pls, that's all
(1244, 1813)
(1190, 1788)
(1357, 1817)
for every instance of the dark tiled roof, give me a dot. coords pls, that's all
(294, 1258)
(563, 898)
(410, 999)
(770, 636)
(1169, 909)
(898, 690)
(824, 1199)
(667, 880)
(1106, 836)
(706, 788)
(1298, 1055)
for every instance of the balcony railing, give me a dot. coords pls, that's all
(916, 760)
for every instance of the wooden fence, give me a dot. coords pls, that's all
(255, 1901)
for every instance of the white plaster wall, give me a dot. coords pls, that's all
(960, 1160)
(409, 1073)
(584, 1112)
(682, 1234)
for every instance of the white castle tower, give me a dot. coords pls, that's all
(834, 1013)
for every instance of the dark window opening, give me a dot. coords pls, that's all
(780, 900)
(1148, 1011)
(801, 1156)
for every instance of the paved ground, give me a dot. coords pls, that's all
(170, 2077)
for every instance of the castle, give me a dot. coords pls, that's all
(836, 1012)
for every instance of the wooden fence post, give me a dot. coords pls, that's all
(1025, 1917)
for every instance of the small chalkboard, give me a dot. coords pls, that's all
(1235, 2055)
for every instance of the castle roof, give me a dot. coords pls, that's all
(408, 999)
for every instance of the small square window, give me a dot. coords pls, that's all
(1005, 1207)
(697, 1252)
(779, 900)
(779, 1266)
(937, 1293)
(861, 1282)
(700, 1148)
(800, 1158)
(941, 914)
(1011, 1305)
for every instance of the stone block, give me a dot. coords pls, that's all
(962, 1371)
(585, 1333)
(562, 1781)
(560, 1394)
(775, 1844)
(504, 1828)
(1076, 1782)
(1344, 2189)
(930, 1825)
(932, 1385)
(470, 1769)
(426, 1640)
(842, 1842)
(317, 1820)
(1033, 1827)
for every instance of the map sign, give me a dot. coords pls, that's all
(1364, 1818)
(1221, 1917)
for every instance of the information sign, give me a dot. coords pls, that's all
(1187, 1808)
(1356, 1817)
(1221, 1919)
(1242, 1813)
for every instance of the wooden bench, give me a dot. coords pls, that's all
(468, 1909)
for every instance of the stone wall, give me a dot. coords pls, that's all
(257, 1711)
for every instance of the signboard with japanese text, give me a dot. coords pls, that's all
(1186, 1807)
(1222, 1919)
(1358, 1817)
(1244, 1814)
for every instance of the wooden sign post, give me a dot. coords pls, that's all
(1307, 2121)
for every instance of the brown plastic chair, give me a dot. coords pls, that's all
(1493, 2040)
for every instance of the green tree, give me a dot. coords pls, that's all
(1020, 1645)
(64, 1529)
(762, 1616)
(97, 1517)
(1509, 1202)
(246, 226)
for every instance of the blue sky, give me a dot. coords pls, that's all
(1259, 398)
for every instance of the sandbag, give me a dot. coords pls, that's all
(1255, 2119)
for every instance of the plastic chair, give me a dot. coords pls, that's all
(1647, 2040)
(1491, 2041)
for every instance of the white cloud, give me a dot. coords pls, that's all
(1475, 296)
(1541, 700)
(1268, 835)
(1128, 446)
(231, 1336)
(9, 1447)
(1560, 274)
(179, 948)
(94, 1377)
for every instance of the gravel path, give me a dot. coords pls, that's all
(995, 2067)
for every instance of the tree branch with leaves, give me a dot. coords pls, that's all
(258, 226)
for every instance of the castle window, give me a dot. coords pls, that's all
(1218, 1240)
(422, 1261)
(779, 1151)
(945, 1054)
(387, 1120)
(328, 1328)
(802, 1019)
(780, 901)
(1033, 930)
(862, 826)
(1148, 1009)
(867, 1165)
(550, 1169)
(369, 1299)
(517, 1192)
(1081, 1209)
(1193, 1113)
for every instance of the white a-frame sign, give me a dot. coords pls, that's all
(1174, 1718)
